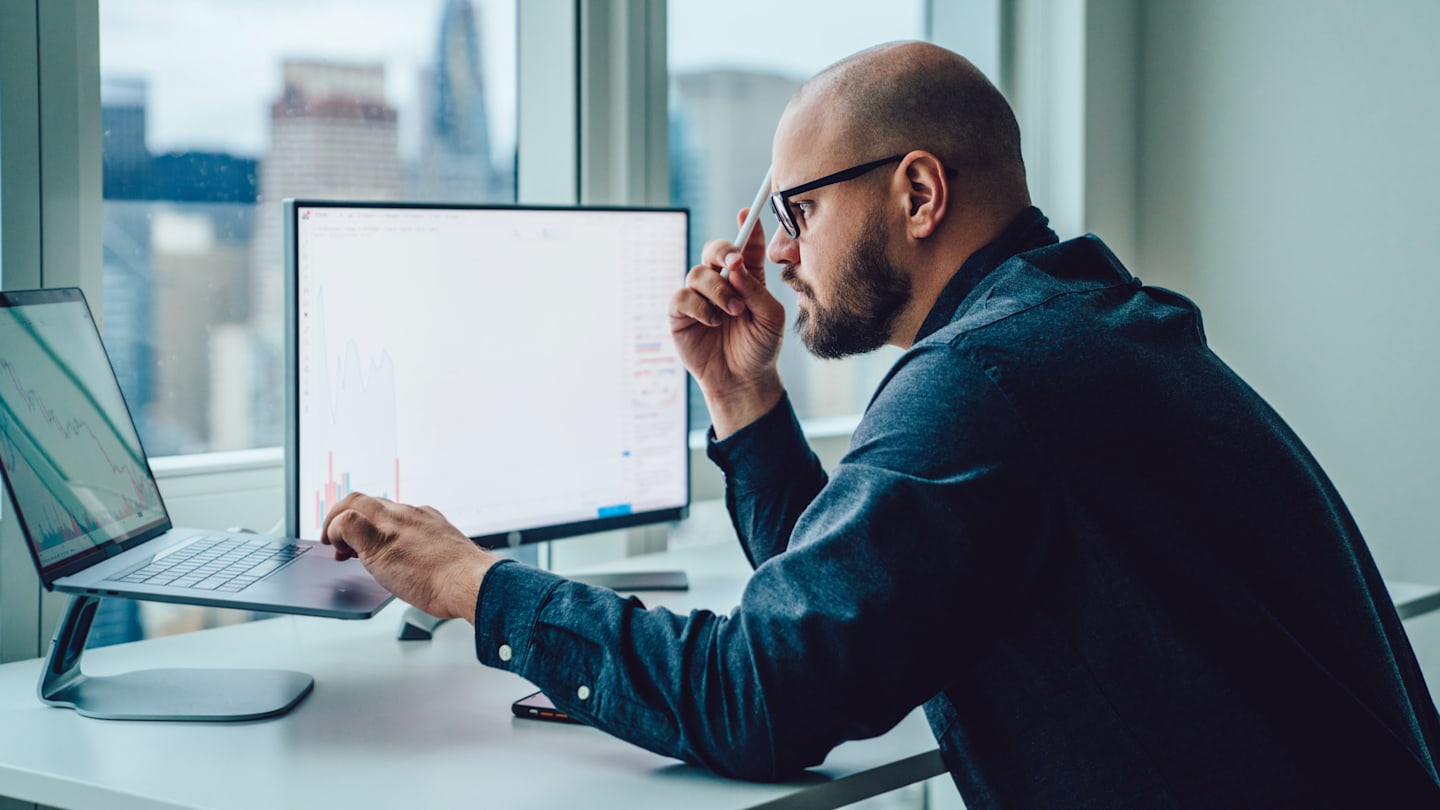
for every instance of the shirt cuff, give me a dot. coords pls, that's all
(770, 450)
(510, 600)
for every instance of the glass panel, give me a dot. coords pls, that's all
(2, 241)
(733, 66)
(214, 111)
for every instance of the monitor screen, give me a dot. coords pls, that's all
(510, 366)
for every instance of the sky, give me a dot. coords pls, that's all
(212, 67)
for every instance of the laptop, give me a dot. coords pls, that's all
(86, 498)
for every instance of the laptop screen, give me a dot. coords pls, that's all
(69, 452)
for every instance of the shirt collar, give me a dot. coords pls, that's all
(1027, 231)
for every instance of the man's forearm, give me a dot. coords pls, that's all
(736, 407)
(771, 475)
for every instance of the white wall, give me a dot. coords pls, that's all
(1290, 184)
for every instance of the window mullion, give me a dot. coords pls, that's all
(548, 125)
(624, 139)
(69, 114)
(50, 83)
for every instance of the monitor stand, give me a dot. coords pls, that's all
(208, 695)
(417, 625)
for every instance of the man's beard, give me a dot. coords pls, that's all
(868, 296)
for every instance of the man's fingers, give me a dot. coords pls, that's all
(754, 249)
(714, 253)
(354, 531)
(748, 280)
(343, 550)
(716, 289)
(688, 307)
(340, 528)
(747, 263)
(331, 515)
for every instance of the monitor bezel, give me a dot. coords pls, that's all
(514, 537)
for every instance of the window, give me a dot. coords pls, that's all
(212, 113)
(2, 220)
(733, 67)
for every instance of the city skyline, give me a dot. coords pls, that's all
(193, 257)
(193, 251)
(225, 111)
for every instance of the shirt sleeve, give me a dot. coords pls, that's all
(771, 476)
(930, 526)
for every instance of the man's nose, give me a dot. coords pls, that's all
(782, 249)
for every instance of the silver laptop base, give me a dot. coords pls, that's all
(209, 695)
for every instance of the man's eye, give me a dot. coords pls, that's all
(802, 209)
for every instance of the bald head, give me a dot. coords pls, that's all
(898, 97)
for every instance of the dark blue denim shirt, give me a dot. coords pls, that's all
(1108, 570)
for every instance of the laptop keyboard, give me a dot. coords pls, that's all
(223, 563)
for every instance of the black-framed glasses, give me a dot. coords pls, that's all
(780, 200)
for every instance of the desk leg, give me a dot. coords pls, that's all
(160, 694)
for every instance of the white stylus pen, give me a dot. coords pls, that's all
(754, 216)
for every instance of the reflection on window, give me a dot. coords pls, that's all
(212, 113)
(730, 78)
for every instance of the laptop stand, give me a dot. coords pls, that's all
(210, 695)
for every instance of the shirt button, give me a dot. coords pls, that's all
(505, 652)
(583, 692)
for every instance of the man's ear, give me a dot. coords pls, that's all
(927, 198)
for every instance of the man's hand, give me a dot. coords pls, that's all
(413, 551)
(728, 329)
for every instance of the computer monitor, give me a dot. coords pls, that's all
(511, 366)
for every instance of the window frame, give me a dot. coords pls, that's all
(592, 119)
(50, 204)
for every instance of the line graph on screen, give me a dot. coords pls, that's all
(82, 479)
(356, 428)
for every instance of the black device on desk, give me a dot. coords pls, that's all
(511, 366)
(537, 706)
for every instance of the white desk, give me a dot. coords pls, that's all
(398, 724)
(1412, 598)
(415, 724)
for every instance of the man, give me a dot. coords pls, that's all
(1109, 572)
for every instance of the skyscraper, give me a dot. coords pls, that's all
(332, 135)
(127, 277)
(455, 163)
(176, 235)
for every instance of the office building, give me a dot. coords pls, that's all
(333, 135)
(125, 168)
(456, 162)
(176, 247)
